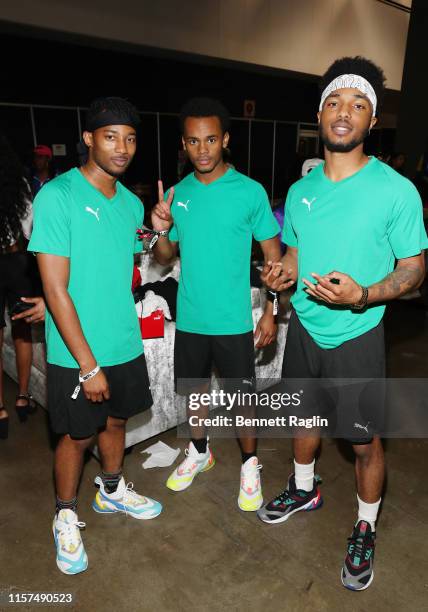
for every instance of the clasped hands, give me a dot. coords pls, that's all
(332, 288)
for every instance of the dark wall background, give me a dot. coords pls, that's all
(46, 68)
(54, 72)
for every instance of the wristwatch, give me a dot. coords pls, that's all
(362, 302)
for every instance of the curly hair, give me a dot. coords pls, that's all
(14, 194)
(357, 65)
(205, 107)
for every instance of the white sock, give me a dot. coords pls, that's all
(368, 512)
(304, 475)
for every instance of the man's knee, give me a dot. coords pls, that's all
(116, 423)
(76, 443)
(365, 452)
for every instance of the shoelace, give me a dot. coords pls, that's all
(68, 533)
(359, 546)
(132, 496)
(282, 497)
(252, 477)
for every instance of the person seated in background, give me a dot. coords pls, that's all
(16, 276)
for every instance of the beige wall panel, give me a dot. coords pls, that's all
(301, 35)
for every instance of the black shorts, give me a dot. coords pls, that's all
(80, 418)
(355, 409)
(16, 280)
(195, 354)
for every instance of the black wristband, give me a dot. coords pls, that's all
(271, 296)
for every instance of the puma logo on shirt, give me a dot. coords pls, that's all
(93, 212)
(184, 204)
(308, 202)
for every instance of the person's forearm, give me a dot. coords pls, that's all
(399, 282)
(68, 324)
(268, 308)
(164, 250)
(289, 262)
(271, 250)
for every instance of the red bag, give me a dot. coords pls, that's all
(153, 326)
(136, 278)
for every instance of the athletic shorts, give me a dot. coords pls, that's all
(355, 410)
(232, 356)
(16, 280)
(80, 418)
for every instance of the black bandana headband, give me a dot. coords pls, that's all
(108, 117)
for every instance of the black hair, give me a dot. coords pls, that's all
(360, 66)
(113, 105)
(205, 107)
(14, 194)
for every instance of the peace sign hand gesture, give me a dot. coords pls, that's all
(161, 213)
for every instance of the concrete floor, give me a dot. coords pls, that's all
(203, 553)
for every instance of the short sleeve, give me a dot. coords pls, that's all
(406, 231)
(288, 234)
(51, 222)
(263, 223)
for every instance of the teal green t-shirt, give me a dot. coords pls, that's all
(214, 225)
(358, 226)
(73, 219)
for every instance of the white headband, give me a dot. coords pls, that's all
(353, 81)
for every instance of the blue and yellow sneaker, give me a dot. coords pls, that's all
(357, 572)
(290, 501)
(126, 500)
(71, 557)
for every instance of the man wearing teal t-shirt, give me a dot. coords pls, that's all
(84, 234)
(346, 224)
(216, 211)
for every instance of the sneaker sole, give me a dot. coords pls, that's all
(135, 516)
(366, 586)
(251, 509)
(205, 469)
(306, 508)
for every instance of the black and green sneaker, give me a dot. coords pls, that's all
(290, 501)
(357, 572)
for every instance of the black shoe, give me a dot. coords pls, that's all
(4, 426)
(357, 572)
(290, 501)
(29, 408)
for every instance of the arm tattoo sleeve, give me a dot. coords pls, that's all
(402, 280)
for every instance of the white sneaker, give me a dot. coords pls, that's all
(71, 557)
(126, 500)
(183, 475)
(250, 493)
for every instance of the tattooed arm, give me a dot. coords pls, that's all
(408, 275)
